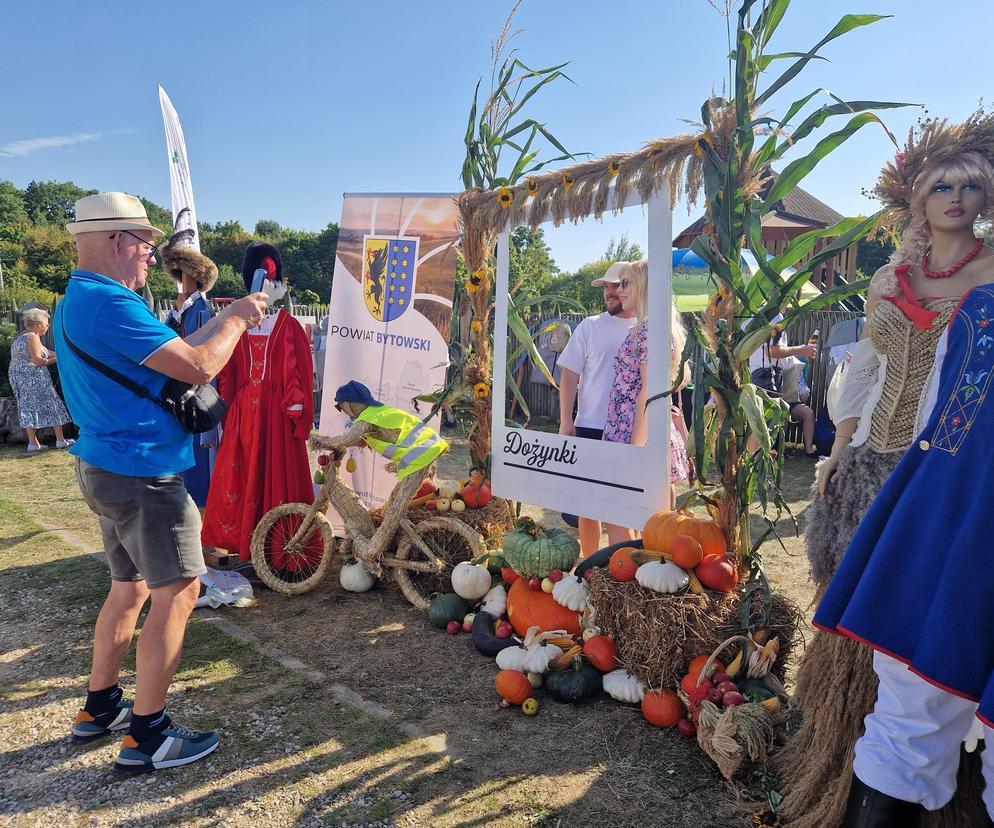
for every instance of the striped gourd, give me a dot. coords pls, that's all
(534, 552)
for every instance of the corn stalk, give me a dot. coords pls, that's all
(737, 149)
(500, 151)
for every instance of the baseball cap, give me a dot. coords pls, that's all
(611, 276)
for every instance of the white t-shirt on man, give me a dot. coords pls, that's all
(760, 358)
(590, 353)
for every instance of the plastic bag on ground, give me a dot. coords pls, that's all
(218, 588)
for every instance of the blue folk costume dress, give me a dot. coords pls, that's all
(917, 582)
(193, 315)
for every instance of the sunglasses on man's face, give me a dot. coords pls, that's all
(623, 284)
(152, 248)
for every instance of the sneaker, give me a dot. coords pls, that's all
(88, 727)
(39, 447)
(64, 443)
(170, 748)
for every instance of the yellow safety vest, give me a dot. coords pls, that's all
(417, 445)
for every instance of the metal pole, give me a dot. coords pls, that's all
(1, 274)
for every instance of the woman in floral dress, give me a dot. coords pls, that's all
(626, 420)
(38, 404)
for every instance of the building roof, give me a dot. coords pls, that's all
(797, 206)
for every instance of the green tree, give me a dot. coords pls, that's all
(11, 204)
(50, 255)
(576, 286)
(872, 254)
(530, 264)
(53, 202)
(159, 216)
(161, 285)
(229, 283)
(623, 250)
(268, 229)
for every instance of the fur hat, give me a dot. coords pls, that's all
(179, 261)
(931, 141)
(255, 253)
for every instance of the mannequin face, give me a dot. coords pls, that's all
(950, 207)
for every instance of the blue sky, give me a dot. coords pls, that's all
(287, 106)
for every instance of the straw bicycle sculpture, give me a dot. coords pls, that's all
(294, 543)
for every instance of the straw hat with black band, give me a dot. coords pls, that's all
(105, 212)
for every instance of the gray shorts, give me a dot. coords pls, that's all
(150, 525)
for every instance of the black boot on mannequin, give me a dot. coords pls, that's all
(868, 808)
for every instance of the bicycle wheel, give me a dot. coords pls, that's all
(443, 538)
(291, 570)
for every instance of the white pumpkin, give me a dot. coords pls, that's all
(356, 578)
(495, 601)
(512, 658)
(571, 592)
(623, 687)
(661, 576)
(470, 581)
(447, 491)
(538, 657)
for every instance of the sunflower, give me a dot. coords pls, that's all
(505, 196)
(472, 287)
(475, 325)
(481, 391)
(479, 274)
(614, 168)
(532, 186)
(568, 180)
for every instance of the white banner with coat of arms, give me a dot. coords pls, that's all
(391, 305)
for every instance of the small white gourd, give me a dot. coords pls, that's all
(571, 592)
(512, 658)
(661, 576)
(623, 687)
(470, 581)
(539, 656)
(495, 601)
(354, 577)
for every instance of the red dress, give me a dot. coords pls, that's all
(262, 461)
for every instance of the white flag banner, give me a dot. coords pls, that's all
(391, 304)
(180, 186)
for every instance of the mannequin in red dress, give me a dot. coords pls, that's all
(262, 461)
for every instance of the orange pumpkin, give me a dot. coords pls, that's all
(697, 664)
(708, 534)
(686, 551)
(528, 607)
(513, 686)
(621, 565)
(661, 528)
(600, 651)
(689, 682)
(663, 709)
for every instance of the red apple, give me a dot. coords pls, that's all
(686, 727)
(556, 575)
(427, 488)
(714, 695)
(732, 699)
(719, 677)
(430, 506)
(728, 687)
(453, 628)
(503, 630)
(535, 584)
(509, 575)
(323, 459)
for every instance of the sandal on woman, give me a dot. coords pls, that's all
(64, 443)
(39, 447)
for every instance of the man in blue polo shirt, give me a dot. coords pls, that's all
(130, 456)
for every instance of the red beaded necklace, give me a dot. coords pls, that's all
(945, 274)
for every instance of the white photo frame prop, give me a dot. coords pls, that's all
(613, 482)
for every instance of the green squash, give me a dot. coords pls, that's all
(577, 683)
(446, 608)
(533, 552)
(755, 690)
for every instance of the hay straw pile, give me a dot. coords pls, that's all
(656, 635)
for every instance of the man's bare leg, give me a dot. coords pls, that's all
(114, 630)
(590, 536)
(160, 643)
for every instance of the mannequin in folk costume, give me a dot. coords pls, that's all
(195, 275)
(936, 189)
(268, 384)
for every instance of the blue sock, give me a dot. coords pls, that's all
(102, 701)
(145, 727)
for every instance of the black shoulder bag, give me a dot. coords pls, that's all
(199, 408)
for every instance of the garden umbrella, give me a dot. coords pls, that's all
(693, 283)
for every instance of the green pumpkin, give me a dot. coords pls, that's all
(534, 552)
(577, 683)
(446, 608)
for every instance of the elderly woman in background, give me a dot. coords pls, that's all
(38, 404)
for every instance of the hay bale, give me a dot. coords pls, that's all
(656, 635)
